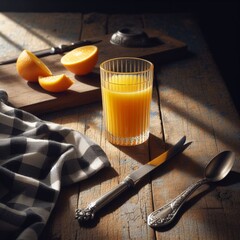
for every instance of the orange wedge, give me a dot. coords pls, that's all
(82, 60)
(30, 67)
(57, 83)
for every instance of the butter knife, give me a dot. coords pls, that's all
(83, 215)
(56, 50)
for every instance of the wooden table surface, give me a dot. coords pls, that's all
(189, 98)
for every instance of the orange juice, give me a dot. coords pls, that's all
(126, 104)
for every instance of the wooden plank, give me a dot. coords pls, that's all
(195, 102)
(34, 31)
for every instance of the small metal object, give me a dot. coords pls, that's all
(84, 215)
(130, 37)
(56, 50)
(216, 170)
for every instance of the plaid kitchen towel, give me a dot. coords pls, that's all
(36, 158)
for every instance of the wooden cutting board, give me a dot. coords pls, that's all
(31, 97)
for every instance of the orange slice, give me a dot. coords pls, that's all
(57, 83)
(82, 60)
(30, 67)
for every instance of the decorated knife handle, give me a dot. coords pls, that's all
(83, 215)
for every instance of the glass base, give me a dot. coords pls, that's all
(131, 141)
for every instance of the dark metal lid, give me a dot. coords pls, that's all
(130, 37)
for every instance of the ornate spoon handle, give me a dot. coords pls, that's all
(166, 214)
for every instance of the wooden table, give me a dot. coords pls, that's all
(190, 98)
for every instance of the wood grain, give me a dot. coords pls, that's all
(189, 98)
(34, 31)
(195, 102)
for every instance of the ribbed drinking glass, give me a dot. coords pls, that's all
(126, 85)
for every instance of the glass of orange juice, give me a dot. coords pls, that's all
(126, 85)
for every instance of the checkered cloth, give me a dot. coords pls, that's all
(37, 158)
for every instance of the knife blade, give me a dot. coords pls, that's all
(83, 215)
(56, 50)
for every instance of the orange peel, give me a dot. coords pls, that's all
(56, 83)
(30, 67)
(81, 60)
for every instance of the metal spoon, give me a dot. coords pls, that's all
(216, 170)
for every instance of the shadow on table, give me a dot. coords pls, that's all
(146, 151)
(154, 147)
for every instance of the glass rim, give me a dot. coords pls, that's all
(125, 58)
